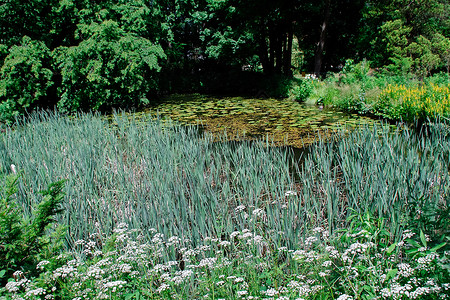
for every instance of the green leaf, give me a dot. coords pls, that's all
(391, 249)
(437, 247)
(2, 273)
(413, 243)
(391, 274)
(136, 295)
(367, 288)
(423, 239)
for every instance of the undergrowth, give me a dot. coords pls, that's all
(157, 211)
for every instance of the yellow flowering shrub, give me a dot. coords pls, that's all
(409, 103)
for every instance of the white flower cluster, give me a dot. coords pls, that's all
(344, 297)
(405, 270)
(114, 285)
(358, 264)
(240, 208)
(307, 256)
(356, 249)
(290, 193)
(15, 286)
(41, 264)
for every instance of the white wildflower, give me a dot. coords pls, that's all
(326, 263)
(405, 270)
(310, 240)
(258, 212)
(121, 228)
(224, 243)
(241, 293)
(290, 193)
(239, 208)
(208, 262)
(41, 264)
(271, 292)
(162, 288)
(344, 297)
(35, 292)
(234, 234)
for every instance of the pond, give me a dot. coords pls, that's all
(283, 121)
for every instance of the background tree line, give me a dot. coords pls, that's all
(101, 54)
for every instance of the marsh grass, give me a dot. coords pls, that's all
(380, 171)
(151, 173)
(147, 174)
(157, 210)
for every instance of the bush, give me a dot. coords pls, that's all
(23, 241)
(110, 68)
(25, 78)
(303, 90)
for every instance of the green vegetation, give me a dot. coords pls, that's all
(399, 98)
(103, 55)
(26, 241)
(155, 210)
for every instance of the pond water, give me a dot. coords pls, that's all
(284, 121)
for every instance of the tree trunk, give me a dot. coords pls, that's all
(321, 44)
(264, 49)
(279, 49)
(288, 51)
(272, 47)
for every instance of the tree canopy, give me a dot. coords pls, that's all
(80, 54)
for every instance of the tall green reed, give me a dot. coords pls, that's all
(152, 176)
(155, 174)
(379, 171)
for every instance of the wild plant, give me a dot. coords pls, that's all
(359, 262)
(148, 174)
(24, 241)
(410, 103)
(302, 90)
(186, 184)
(378, 171)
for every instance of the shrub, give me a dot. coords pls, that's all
(355, 73)
(303, 90)
(25, 78)
(23, 241)
(109, 68)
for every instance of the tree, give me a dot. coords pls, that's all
(25, 78)
(442, 48)
(241, 33)
(423, 57)
(110, 68)
(397, 31)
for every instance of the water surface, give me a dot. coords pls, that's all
(284, 121)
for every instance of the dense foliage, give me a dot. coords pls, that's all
(156, 211)
(80, 54)
(398, 98)
(24, 240)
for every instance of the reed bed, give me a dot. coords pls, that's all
(146, 174)
(158, 175)
(399, 175)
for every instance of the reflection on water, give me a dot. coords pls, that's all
(286, 122)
